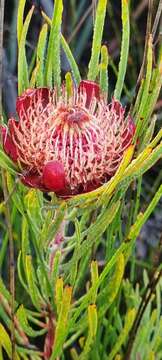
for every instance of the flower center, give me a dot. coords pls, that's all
(77, 116)
(73, 115)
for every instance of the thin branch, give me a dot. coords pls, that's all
(6, 195)
(157, 19)
(94, 4)
(139, 9)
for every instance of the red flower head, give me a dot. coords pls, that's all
(67, 145)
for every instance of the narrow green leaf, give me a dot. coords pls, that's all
(68, 53)
(32, 62)
(1, 355)
(97, 38)
(119, 173)
(74, 354)
(56, 223)
(20, 269)
(42, 283)
(138, 99)
(146, 85)
(92, 320)
(156, 139)
(55, 268)
(7, 164)
(152, 356)
(27, 353)
(96, 230)
(21, 315)
(5, 292)
(59, 293)
(5, 342)
(61, 326)
(74, 261)
(141, 167)
(92, 324)
(25, 238)
(154, 91)
(71, 60)
(44, 230)
(111, 291)
(129, 319)
(104, 71)
(15, 194)
(124, 49)
(23, 77)
(33, 78)
(86, 299)
(142, 218)
(135, 164)
(41, 55)
(33, 203)
(20, 15)
(94, 277)
(148, 77)
(33, 288)
(53, 66)
(142, 343)
(69, 84)
(82, 267)
(148, 134)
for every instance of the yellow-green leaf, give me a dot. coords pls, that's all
(5, 343)
(61, 326)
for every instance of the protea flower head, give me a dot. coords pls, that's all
(67, 145)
